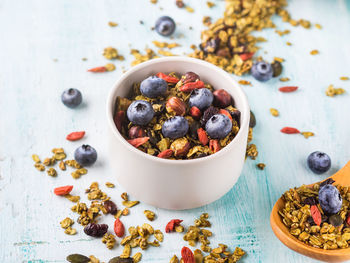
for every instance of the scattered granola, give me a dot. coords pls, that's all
(331, 91)
(165, 44)
(284, 79)
(149, 215)
(244, 82)
(189, 9)
(210, 4)
(307, 134)
(110, 185)
(318, 26)
(344, 78)
(314, 52)
(274, 112)
(112, 24)
(109, 240)
(261, 166)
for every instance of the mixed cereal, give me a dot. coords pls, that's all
(175, 117)
(318, 215)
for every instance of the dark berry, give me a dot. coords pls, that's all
(277, 68)
(262, 71)
(71, 98)
(110, 207)
(208, 113)
(153, 87)
(335, 220)
(329, 199)
(165, 26)
(252, 120)
(96, 230)
(175, 127)
(319, 162)
(140, 112)
(218, 126)
(201, 98)
(85, 155)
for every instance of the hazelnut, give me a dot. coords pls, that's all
(190, 77)
(180, 147)
(176, 105)
(136, 132)
(222, 98)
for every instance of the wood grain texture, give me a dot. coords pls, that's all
(33, 120)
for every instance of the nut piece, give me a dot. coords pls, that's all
(176, 105)
(136, 132)
(190, 77)
(180, 147)
(222, 98)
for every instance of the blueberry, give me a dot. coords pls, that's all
(218, 126)
(329, 199)
(175, 127)
(140, 112)
(85, 155)
(71, 98)
(319, 162)
(262, 71)
(201, 98)
(165, 26)
(153, 87)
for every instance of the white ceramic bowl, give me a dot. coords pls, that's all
(177, 184)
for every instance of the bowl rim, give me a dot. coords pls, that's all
(241, 97)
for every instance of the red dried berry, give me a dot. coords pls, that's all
(74, 136)
(119, 228)
(167, 78)
(246, 56)
(290, 130)
(98, 69)
(316, 215)
(170, 227)
(288, 89)
(187, 255)
(214, 146)
(188, 87)
(165, 154)
(202, 136)
(195, 112)
(119, 119)
(138, 141)
(63, 190)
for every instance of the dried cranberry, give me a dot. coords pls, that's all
(207, 114)
(96, 230)
(110, 206)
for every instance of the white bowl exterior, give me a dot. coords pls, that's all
(177, 184)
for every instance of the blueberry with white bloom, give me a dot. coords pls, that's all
(140, 112)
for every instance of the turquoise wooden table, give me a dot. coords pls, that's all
(42, 46)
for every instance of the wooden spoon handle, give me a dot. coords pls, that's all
(342, 177)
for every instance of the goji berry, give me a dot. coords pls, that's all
(348, 219)
(63, 190)
(187, 255)
(165, 154)
(98, 69)
(290, 130)
(170, 227)
(167, 78)
(74, 136)
(119, 228)
(188, 87)
(288, 89)
(195, 112)
(225, 112)
(246, 56)
(119, 119)
(138, 141)
(214, 146)
(202, 136)
(316, 215)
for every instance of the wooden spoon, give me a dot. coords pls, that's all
(342, 177)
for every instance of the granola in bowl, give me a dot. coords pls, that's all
(177, 116)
